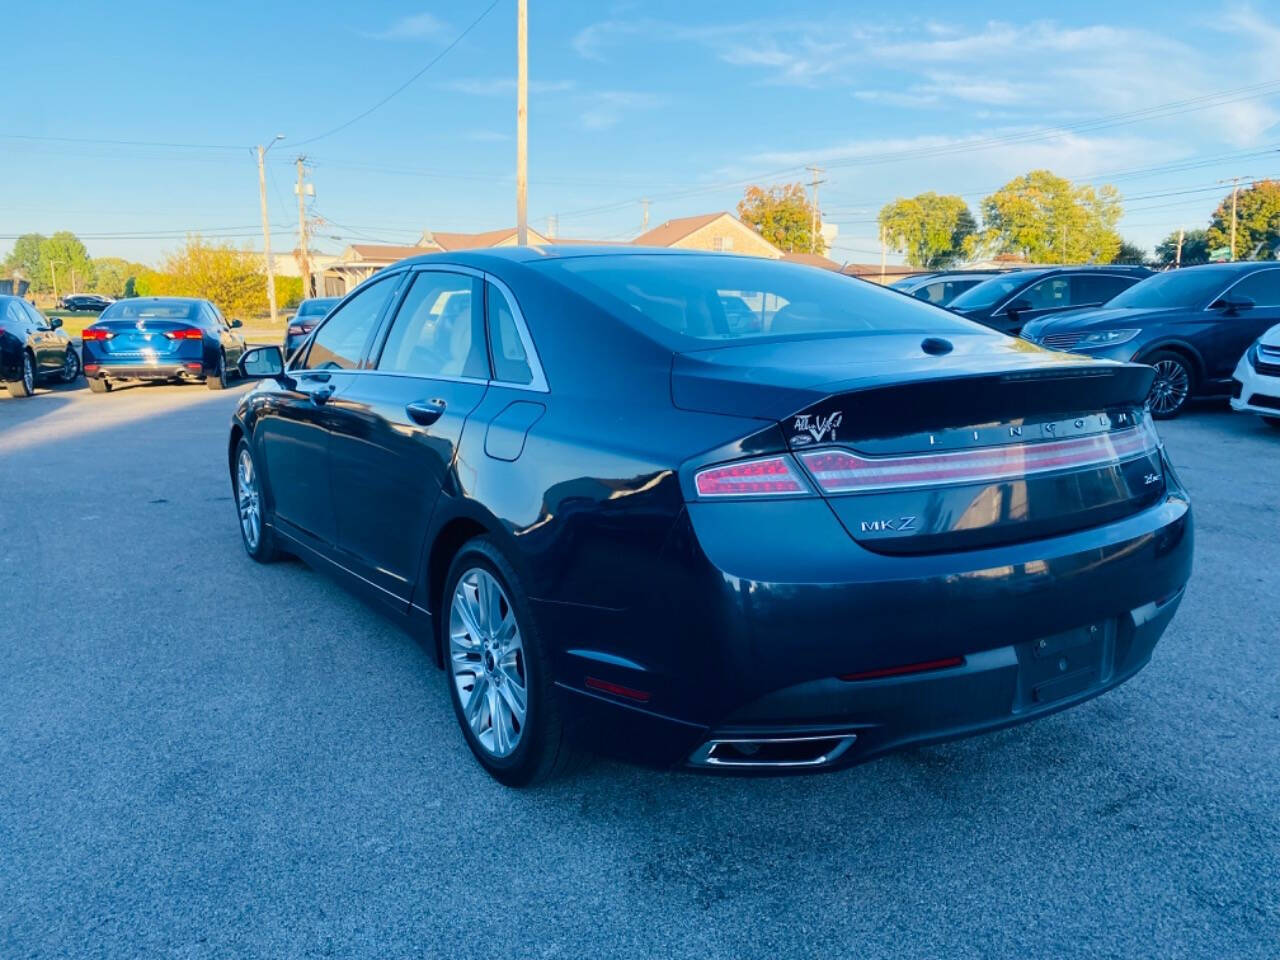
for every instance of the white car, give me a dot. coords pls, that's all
(1257, 379)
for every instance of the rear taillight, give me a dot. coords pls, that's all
(92, 333)
(766, 477)
(184, 333)
(841, 471)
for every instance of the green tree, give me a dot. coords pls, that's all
(64, 258)
(24, 258)
(782, 215)
(1257, 221)
(1130, 253)
(931, 229)
(1048, 219)
(233, 279)
(1195, 248)
(111, 274)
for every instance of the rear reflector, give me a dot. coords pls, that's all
(909, 668)
(617, 689)
(771, 476)
(197, 367)
(92, 367)
(184, 333)
(840, 471)
(90, 333)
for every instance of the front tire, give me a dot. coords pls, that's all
(217, 380)
(25, 385)
(255, 530)
(1175, 379)
(498, 671)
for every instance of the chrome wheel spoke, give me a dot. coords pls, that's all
(486, 658)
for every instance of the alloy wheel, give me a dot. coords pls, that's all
(28, 373)
(1170, 389)
(487, 662)
(249, 501)
(71, 365)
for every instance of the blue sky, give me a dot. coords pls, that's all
(680, 102)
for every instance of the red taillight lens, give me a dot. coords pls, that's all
(93, 333)
(766, 477)
(184, 333)
(840, 471)
(906, 669)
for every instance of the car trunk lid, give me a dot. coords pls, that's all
(142, 338)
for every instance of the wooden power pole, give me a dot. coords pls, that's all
(266, 227)
(522, 123)
(304, 256)
(813, 214)
(1177, 259)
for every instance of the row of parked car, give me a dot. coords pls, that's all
(1208, 330)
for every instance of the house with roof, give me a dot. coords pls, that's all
(720, 232)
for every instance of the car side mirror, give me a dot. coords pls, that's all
(1232, 305)
(236, 324)
(1017, 307)
(262, 363)
(55, 323)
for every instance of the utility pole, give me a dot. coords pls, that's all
(882, 253)
(1177, 259)
(1235, 193)
(644, 220)
(53, 269)
(522, 123)
(266, 225)
(304, 255)
(813, 215)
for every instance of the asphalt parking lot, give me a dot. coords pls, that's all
(200, 756)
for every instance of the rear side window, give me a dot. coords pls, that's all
(510, 361)
(1263, 288)
(1096, 288)
(684, 300)
(439, 331)
(339, 344)
(1048, 294)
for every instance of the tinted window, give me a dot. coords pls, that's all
(1190, 287)
(1048, 294)
(681, 300)
(1263, 288)
(510, 362)
(16, 318)
(438, 331)
(152, 310)
(1097, 288)
(315, 308)
(340, 341)
(989, 292)
(37, 318)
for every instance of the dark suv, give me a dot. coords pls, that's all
(1009, 301)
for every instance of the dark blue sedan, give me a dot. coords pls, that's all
(170, 339)
(621, 519)
(1193, 325)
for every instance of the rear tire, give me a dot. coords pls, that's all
(25, 385)
(218, 379)
(71, 366)
(1175, 380)
(99, 384)
(251, 506)
(485, 665)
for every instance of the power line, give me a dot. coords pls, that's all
(400, 89)
(120, 143)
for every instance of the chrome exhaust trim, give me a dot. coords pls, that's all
(772, 752)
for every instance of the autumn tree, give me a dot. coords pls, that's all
(1257, 221)
(233, 279)
(782, 215)
(1048, 219)
(1195, 248)
(930, 228)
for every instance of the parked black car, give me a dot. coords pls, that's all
(176, 339)
(1012, 300)
(32, 348)
(616, 521)
(942, 288)
(310, 312)
(86, 301)
(1193, 325)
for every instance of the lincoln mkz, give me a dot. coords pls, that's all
(622, 518)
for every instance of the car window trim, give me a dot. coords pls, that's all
(1229, 287)
(388, 321)
(303, 355)
(538, 383)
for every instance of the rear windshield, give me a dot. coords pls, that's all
(1192, 287)
(151, 310)
(680, 300)
(987, 293)
(315, 308)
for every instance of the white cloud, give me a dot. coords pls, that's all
(418, 26)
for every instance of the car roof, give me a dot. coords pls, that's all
(542, 253)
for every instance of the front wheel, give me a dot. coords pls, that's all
(217, 380)
(255, 532)
(499, 674)
(1172, 385)
(25, 385)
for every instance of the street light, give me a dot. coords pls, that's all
(266, 225)
(53, 269)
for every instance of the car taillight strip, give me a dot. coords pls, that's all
(185, 333)
(843, 471)
(768, 476)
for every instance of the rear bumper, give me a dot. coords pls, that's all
(733, 649)
(133, 370)
(1253, 392)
